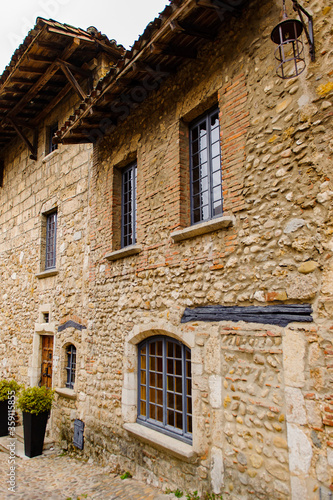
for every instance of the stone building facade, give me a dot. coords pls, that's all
(261, 415)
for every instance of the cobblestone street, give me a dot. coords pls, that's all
(54, 477)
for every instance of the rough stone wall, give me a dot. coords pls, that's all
(262, 395)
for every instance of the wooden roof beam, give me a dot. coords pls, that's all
(51, 70)
(168, 50)
(31, 147)
(190, 29)
(74, 83)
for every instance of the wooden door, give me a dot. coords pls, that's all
(47, 358)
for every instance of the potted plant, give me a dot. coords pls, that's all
(35, 403)
(8, 389)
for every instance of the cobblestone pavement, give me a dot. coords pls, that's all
(55, 477)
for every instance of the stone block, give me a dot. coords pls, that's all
(293, 358)
(295, 406)
(300, 450)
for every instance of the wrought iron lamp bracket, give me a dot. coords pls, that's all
(309, 32)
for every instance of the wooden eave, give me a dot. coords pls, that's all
(52, 60)
(173, 38)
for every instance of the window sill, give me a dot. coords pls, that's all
(47, 274)
(203, 228)
(161, 441)
(66, 393)
(49, 156)
(124, 252)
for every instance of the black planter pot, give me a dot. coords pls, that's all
(4, 417)
(34, 427)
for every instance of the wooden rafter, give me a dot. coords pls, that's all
(51, 70)
(190, 29)
(31, 147)
(72, 80)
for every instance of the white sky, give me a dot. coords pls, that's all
(123, 20)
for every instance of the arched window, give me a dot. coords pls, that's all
(165, 389)
(71, 365)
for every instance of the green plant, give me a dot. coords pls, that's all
(192, 496)
(8, 386)
(35, 400)
(126, 475)
(178, 493)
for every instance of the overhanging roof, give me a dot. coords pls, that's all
(51, 61)
(172, 38)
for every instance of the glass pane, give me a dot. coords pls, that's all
(215, 134)
(217, 208)
(179, 420)
(159, 366)
(196, 189)
(170, 349)
(195, 174)
(160, 414)
(204, 169)
(216, 164)
(152, 348)
(152, 411)
(143, 362)
(217, 178)
(217, 193)
(159, 380)
(143, 393)
(143, 377)
(159, 346)
(143, 409)
(195, 160)
(196, 215)
(178, 353)
(152, 379)
(214, 120)
(203, 156)
(189, 405)
(195, 147)
(178, 367)
(205, 213)
(170, 400)
(195, 134)
(189, 387)
(152, 396)
(189, 424)
(170, 366)
(179, 403)
(204, 185)
(205, 198)
(159, 396)
(170, 383)
(179, 387)
(215, 149)
(171, 418)
(152, 363)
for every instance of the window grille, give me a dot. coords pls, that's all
(128, 206)
(51, 240)
(206, 176)
(165, 387)
(71, 366)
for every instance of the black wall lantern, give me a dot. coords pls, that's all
(290, 52)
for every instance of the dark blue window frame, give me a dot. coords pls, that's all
(51, 241)
(71, 366)
(205, 168)
(165, 387)
(128, 206)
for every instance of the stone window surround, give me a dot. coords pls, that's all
(159, 440)
(206, 227)
(60, 387)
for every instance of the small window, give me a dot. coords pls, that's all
(51, 241)
(128, 206)
(71, 366)
(206, 176)
(165, 387)
(51, 146)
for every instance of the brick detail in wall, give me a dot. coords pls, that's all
(234, 121)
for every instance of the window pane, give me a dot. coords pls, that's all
(169, 387)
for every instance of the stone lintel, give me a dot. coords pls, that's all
(49, 156)
(124, 252)
(66, 393)
(162, 441)
(47, 274)
(203, 228)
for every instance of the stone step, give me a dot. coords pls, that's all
(18, 440)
